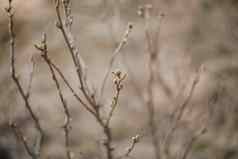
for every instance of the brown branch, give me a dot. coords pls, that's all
(81, 74)
(78, 63)
(22, 138)
(177, 114)
(132, 78)
(152, 53)
(67, 127)
(134, 141)
(25, 96)
(189, 145)
(108, 142)
(151, 112)
(67, 12)
(70, 87)
(120, 46)
(77, 60)
(153, 50)
(117, 81)
(79, 66)
(28, 93)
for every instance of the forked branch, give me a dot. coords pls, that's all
(67, 127)
(36, 151)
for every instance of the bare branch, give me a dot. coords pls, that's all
(152, 50)
(28, 93)
(70, 87)
(188, 147)
(80, 70)
(67, 127)
(22, 138)
(108, 142)
(77, 59)
(177, 114)
(117, 81)
(134, 141)
(113, 58)
(67, 12)
(25, 96)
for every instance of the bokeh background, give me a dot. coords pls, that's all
(192, 33)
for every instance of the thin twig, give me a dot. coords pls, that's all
(132, 78)
(151, 112)
(67, 12)
(67, 127)
(70, 87)
(118, 79)
(134, 141)
(80, 68)
(113, 58)
(77, 59)
(28, 93)
(24, 95)
(152, 50)
(22, 138)
(177, 114)
(189, 145)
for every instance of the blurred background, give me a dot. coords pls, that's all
(193, 33)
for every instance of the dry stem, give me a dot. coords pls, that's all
(152, 48)
(77, 60)
(177, 115)
(25, 96)
(134, 141)
(92, 105)
(188, 147)
(44, 50)
(114, 56)
(22, 138)
(67, 83)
